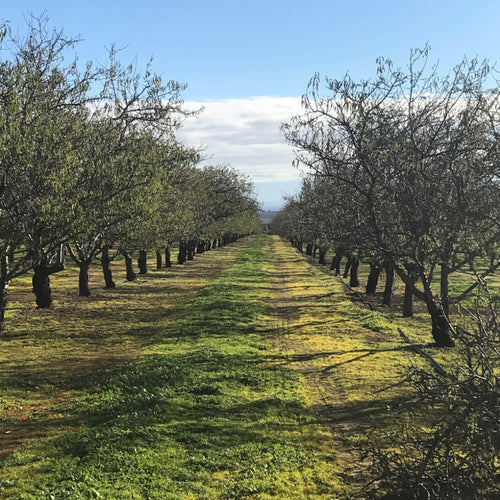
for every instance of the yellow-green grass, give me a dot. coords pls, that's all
(353, 358)
(181, 403)
(50, 357)
(247, 373)
(418, 327)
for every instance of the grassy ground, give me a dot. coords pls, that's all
(199, 406)
(247, 373)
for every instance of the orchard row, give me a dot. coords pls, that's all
(90, 166)
(404, 171)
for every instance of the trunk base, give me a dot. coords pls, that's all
(142, 262)
(353, 280)
(441, 331)
(41, 287)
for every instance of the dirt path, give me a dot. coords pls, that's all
(326, 339)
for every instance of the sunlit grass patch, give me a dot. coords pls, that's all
(209, 411)
(353, 358)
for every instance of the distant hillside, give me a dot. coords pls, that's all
(267, 215)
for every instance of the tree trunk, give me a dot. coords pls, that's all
(41, 286)
(408, 302)
(214, 244)
(142, 262)
(181, 257)
(347, 267)
(322, 256)
(168, 262)
(440, 326)
(445, 293)
(309, 249)
(315, 249)
(4, 288)
(335, 266)
(159, 260)
(412, 272)
(371, 285)
(41, 280)
(83, 279)
(389, 284)
(354, 281)
(106, 268)
(129, 267)
(190, 250)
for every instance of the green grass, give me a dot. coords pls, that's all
(247, 373)
(208, 412)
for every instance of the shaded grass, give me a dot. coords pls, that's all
(207, 412)
(419, 326)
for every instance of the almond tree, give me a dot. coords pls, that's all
(41, 98)
(420, 152)
(122, 161)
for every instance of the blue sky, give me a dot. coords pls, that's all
(246, 60)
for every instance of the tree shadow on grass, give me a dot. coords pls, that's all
(216, 410)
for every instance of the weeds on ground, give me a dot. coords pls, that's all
(208, 412)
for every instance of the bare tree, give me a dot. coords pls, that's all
(419, 152)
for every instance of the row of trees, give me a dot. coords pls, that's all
(90, 166)
(404, 170)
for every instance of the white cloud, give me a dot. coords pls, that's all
(245, 133)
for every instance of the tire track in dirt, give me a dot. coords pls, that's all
(297, 288)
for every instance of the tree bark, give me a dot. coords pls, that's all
(4, 288)
(142, 262)
(309, 249)
(347, 267)
(389, 284)
(408, 296)
(106, 268)
(41, 286)
(181, 257)
(336, 261)
(354, 281)
(322, 256)
(408, 302)
(168, 262)
(371, 285)
(440, 326)
(129, 267)
(190, 250)
(444, 289)
(83, 279)
(159, 260)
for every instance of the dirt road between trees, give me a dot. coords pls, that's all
(349, 367)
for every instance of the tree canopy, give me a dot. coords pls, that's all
(90, 161)
(405, 167)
